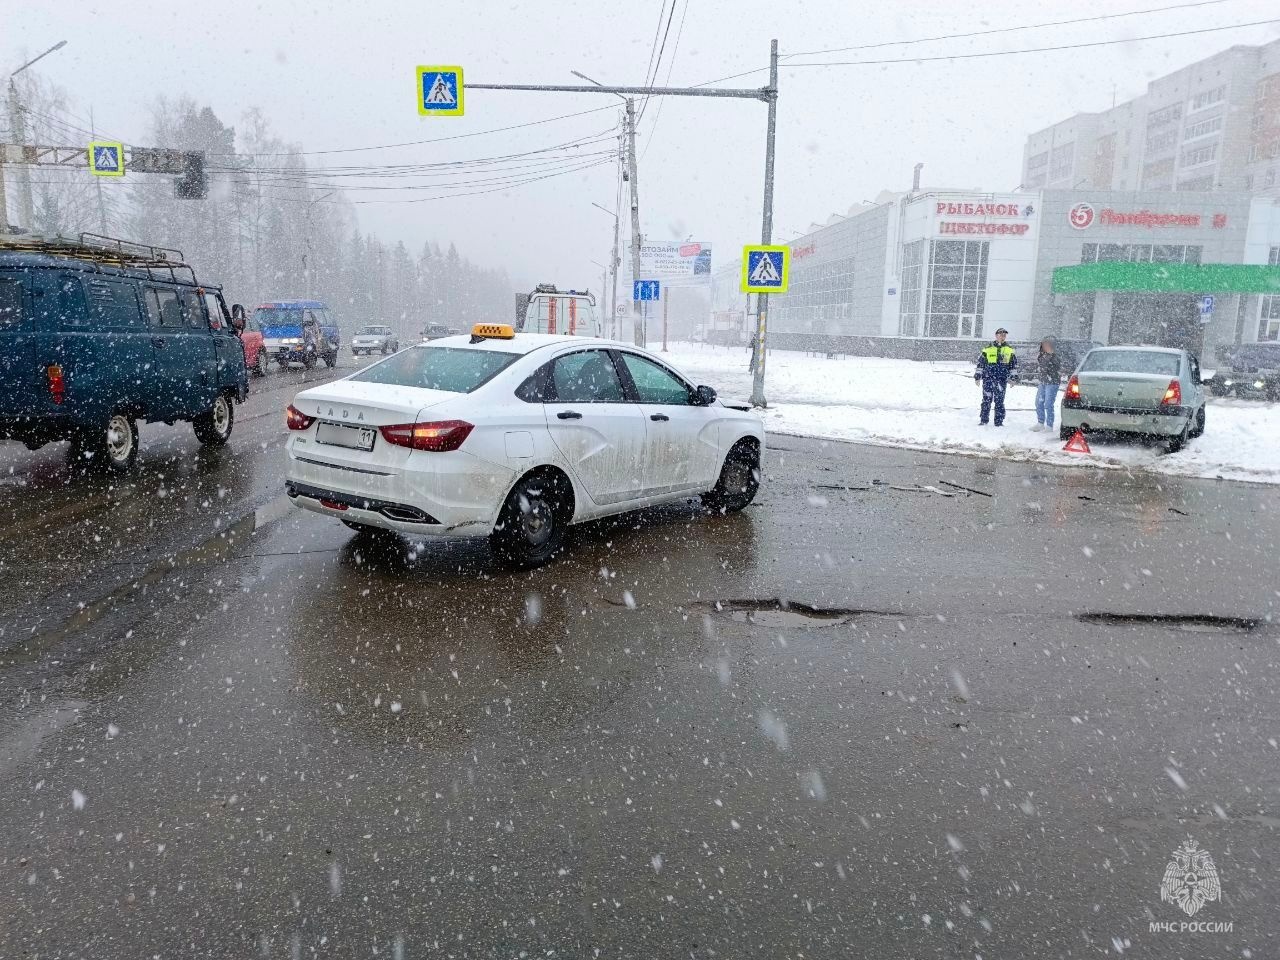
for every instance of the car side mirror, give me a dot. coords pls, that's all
(704, 396)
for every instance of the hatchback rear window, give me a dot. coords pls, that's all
(1131, 361)
(439, 368)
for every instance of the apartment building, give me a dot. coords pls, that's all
(1213, 125)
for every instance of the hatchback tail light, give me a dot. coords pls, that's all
(1172, 395)
(440, 436)
(295, 419)
(57, 384)
(1073, 388)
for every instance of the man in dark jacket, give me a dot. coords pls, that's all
(996, 364)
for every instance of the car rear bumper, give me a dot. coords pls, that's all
(435, 494)
(1165, 421)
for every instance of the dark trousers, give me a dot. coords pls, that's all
(993, 390)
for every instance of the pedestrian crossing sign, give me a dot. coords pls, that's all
(106, 159)
(440, 91)
(765, 269)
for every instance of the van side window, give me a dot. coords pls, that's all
(193, 310)
(163, 309)
(112, 303)
(10, 305)
(62, 303)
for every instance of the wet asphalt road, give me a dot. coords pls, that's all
(230, 729)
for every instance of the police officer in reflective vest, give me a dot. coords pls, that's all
(996, 364)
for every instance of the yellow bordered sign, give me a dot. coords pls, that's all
(765, 269)
(440, 91)
(106, 158)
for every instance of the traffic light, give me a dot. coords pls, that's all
(192, 184)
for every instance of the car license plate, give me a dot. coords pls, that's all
(341, 435)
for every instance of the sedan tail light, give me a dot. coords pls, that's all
(1073, 388)
(295, 419)
(1172, 395)
(440, 436)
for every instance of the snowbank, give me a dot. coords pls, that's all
(934, 406)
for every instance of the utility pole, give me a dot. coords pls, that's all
(637, 321)
(26, 209)
(664, 319)
(97, 182)
(4, 201)
(19, 132)
(766, 232)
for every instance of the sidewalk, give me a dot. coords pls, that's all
(934, 406)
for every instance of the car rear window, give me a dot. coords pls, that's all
(1131, 361)
(439, 368)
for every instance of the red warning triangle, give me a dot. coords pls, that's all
(1078, 444)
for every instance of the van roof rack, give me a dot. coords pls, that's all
(110, 251)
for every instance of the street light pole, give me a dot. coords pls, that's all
(768, 94)
(614, 260)
(766, 232)
(26, 207)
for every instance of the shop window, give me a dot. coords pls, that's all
(909, 304)
(1269, 322)
(956, 296)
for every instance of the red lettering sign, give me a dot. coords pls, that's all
(799, 253)
(984, 229)
(1149, 219)
(957, 209)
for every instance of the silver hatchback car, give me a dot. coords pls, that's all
(1152, 391)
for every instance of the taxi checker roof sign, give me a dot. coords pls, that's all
(106, 158)
(440, 91)
(765, 269)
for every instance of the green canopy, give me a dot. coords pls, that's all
(1168, 277)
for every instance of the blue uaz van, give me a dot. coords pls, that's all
(97, 334)
(298, 331)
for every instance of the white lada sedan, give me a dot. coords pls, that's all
(514, 437)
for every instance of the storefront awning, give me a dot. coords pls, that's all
(1168, 277)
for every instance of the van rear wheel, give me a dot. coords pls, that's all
(111, 448)
(213, 429)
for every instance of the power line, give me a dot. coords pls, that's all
(412, 168)
(414, 143)
(653, 48)
(1006, 53)
(670, 66)
(984, 33)
(658, 63)
(315, 183)
(547, 176)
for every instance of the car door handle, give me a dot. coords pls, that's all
(658, 416)
(157, 341)
(568, 415)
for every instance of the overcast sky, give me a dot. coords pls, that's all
(340, 75)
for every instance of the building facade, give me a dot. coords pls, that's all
(1213, 125)
(930, 274)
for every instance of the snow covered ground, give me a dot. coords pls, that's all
(934, 406)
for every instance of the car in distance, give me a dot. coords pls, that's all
(299, 331)
(1151, 391)
(373, 339)
(1249, 370)
(434, 331)
(514, 437)
(99, 333)
(255, 354)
